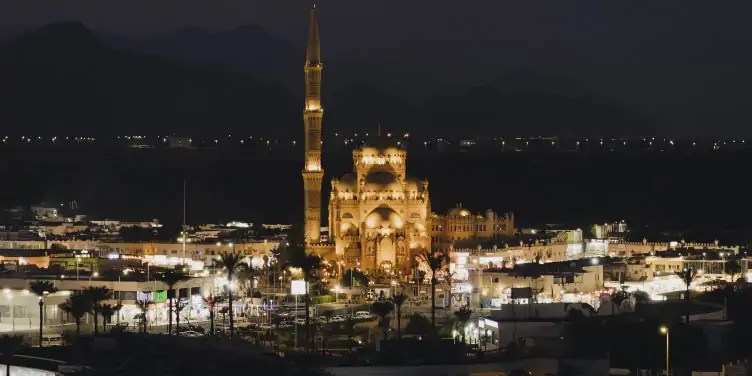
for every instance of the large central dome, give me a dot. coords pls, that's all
(384, 216)
(382, 181)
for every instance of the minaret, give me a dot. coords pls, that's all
(312, 116)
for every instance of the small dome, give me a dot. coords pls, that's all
(459, 212)
(413, 184)
(384, 216)
(348, 181)
(382, 181)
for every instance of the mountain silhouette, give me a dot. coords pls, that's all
(64, 79)
(61, 79)
(245, 49)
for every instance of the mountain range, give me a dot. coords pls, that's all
(66, 78)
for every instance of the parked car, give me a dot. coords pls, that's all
(265, 326)
(190, 333)
(299, 321)
(362, 315)
(337, 319)
(284, 325)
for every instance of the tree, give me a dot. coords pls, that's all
(77, 306)
(223, 311)
(107, 311)
(232, 264)
(171, 277)
(247, 276)
(436, 262)
(687, 276)
(8, 346)
(142, 316)
(309, 265)
(619, 297)
(41, 289)
(96, 295)
(382, 309)
(419, 325)
(352, 277)
(462, 317)
(180, 304)
(210, 301)
(732, 267)
(399, 300)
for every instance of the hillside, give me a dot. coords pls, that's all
(62, 79)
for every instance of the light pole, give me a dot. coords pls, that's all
(664, 330)
(9, 295)
(297, 287)
(78, 259)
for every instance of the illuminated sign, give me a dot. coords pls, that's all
(145, 296)
(298, 287)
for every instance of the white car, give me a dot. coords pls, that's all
(362, 315)
(264, 326)
(337, 319)
(284, 324)
(299, 321)
(191, 333)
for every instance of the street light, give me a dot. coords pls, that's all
(664, 331)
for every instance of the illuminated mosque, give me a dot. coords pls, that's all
(379, 217)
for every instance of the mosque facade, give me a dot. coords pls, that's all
(379, 216)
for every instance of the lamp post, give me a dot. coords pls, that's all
(297, 287)
(664, 331)
(9, 295)
(42, 313)
(78, 259)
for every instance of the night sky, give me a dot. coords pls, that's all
(686, 61)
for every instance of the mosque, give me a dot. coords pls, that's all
(379, 216)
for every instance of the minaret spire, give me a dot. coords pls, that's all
(313, 113)
(313, 52)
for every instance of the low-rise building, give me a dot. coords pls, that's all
(569, 281)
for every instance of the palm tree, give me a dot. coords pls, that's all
(687, 276)
(732, 267)
(382, 309)
(180, 305)
(107, 311)
(96, 295)
(462, 316)
(77, 306)
(210, 301)
(247, 276)
(436, 262)
(223, 311)
(143, 307)
(41, 289)
(233, 265)
(399, 300)
(171, 277)
(309, 265)
(8, 346)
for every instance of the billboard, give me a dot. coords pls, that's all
(298, 287)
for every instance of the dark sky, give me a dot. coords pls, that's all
(688, 60)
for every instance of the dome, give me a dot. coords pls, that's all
(383, 216)
(459, 211)
(413, 185)
(348, 181)
(382, 181)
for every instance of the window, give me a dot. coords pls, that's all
(20, 311)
